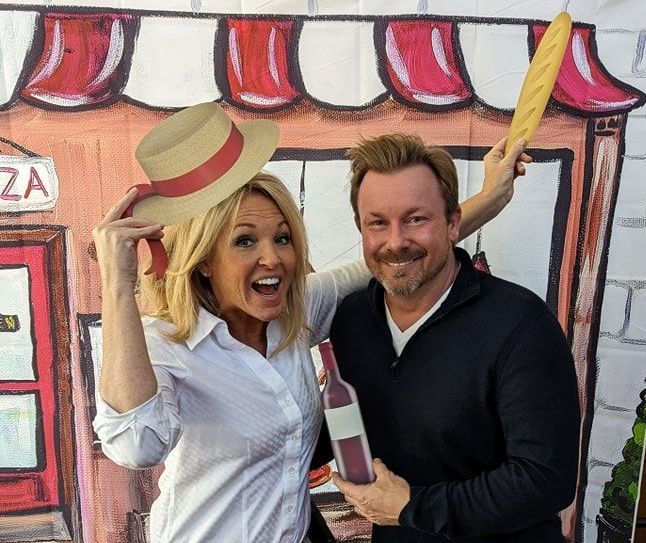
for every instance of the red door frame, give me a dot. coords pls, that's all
(24, 488)
(52, 485)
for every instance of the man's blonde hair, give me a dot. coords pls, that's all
(393, 152)
(178, 296)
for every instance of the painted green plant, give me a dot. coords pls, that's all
(620, 493)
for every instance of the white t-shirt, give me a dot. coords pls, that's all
(400, 339)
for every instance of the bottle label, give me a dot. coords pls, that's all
(344, 422)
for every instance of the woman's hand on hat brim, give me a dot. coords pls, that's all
(116, 240)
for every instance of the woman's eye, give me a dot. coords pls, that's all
(243, 241)
(283, 239)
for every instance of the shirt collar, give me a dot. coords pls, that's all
(206, 323)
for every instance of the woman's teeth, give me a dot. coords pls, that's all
(267, 286)
(268, 281)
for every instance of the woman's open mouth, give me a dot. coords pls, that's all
(267, 286)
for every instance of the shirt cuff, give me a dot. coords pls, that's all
(151, 414)
(427, 510)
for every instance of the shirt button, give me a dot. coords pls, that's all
(290, 509)
(288, 403)
(294, 437)
(291, 470)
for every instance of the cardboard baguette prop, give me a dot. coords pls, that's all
(539, 81)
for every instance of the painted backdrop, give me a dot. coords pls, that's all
(81, 84)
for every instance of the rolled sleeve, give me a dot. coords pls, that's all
(142, 437)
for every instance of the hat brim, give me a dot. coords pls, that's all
(260, 142)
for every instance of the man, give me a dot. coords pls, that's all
(466, 382)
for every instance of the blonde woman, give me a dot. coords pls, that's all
(217, 380)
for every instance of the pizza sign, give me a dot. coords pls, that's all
(27, 184)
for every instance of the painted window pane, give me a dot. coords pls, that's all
(521, 255)
(18, 414)
(290, 172)
(16, 344)
(333, 236)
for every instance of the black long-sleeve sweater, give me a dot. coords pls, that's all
(479, 413)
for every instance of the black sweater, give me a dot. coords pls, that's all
(479, 414)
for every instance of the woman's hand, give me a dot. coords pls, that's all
(127, 378)
(500, 171)
(116, 243)
(497, 188)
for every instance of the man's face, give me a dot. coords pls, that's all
(407, 239)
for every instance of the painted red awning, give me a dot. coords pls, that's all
(583, 85)
(421, 63)
(258, 63)
(82, 60)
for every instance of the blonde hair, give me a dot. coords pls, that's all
(394, 152)
(178, 296)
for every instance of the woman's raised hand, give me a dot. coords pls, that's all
(116, 241)
(500, 171)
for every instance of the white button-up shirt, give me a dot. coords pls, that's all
(235, 430)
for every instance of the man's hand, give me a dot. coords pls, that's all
(380, 502)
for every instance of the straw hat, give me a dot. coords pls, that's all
(196, 158)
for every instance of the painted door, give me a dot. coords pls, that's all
(29, 463)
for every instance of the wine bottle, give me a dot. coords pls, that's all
(347, 433)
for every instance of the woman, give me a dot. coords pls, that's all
(217, 381)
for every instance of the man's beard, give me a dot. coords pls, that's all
(414, 282)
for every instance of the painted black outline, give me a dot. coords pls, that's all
(224, 15)
(220, 53)
(85, 321)
(27, 152)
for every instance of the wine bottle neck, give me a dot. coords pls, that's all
(327, 356)
(333, 373)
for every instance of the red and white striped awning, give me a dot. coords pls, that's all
(84, 60)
